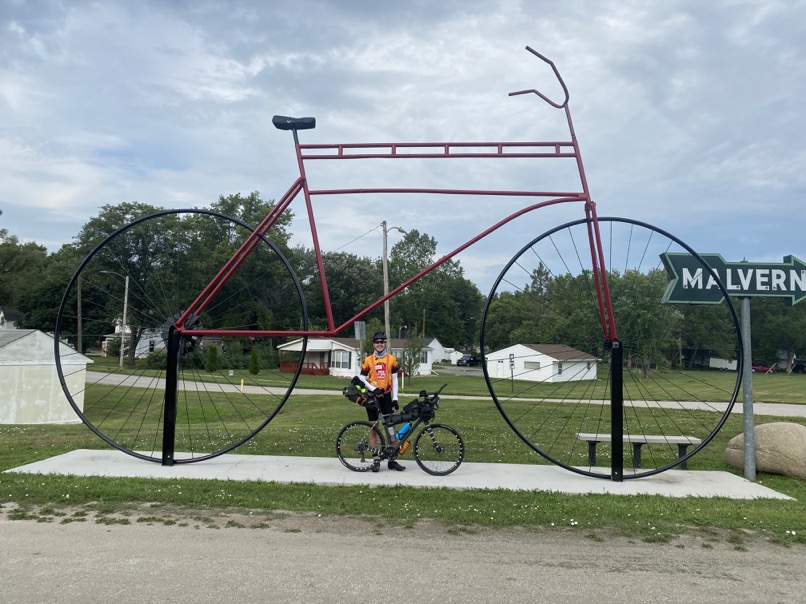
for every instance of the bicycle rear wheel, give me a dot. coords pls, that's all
(353, 445)
(127, 294)
(548, 369)
(438, 449)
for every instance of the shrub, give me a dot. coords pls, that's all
(254, 362)
(211, 359)
(157, 360)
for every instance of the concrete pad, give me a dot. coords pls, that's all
(330, 472)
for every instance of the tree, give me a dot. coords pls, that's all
(648, 329)
(410, 255)
(442, 303)
(411, 356)
(40, 300)
(20, 265)
(374, 325)
(252, 210)
(193, 246)
(510, 320)
(353, 284)
(778, 327)
(111, 218)
(254, 362)
(572, 315)
(705, 331)
(515, 316)
(563, 309)
(212, 361)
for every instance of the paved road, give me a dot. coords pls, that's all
(332, 560)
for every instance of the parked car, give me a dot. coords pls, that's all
(799, 367)
(762, 367)
(468, 360)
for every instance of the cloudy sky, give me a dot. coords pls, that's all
(690, 114)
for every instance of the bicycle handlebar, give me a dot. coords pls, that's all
(540, 94)
(433, 395)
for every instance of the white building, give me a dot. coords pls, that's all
(9, 317)
(438, 352)
(30, 391)
(542, 363)
(342, 357)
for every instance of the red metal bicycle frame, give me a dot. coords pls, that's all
(396, 151)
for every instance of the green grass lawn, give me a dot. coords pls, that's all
(307, 426)
(772, 388)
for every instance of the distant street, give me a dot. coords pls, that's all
(94, 377)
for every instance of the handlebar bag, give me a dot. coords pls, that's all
(356, 394)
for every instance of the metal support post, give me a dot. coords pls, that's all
(617, 410)
(171, 375)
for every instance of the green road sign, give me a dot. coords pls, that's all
(690, 282)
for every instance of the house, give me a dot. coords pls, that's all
(341, 357)
(150, 340)
(542, 363)
(439, 354)
(9, 317)
(31, 391)
(454, 356)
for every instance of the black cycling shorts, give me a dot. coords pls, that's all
(385, 403)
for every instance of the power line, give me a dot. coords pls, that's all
(356, 239)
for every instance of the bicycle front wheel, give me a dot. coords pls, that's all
(438, 449)
(116, 314)
(549, 371)
(358, 443)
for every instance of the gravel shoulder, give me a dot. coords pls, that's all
(154, 554)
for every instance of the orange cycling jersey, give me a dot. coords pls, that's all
(379, 370)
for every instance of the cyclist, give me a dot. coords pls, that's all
(379, 373)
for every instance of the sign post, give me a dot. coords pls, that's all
(747, 396)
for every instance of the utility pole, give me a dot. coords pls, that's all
(125, 310)
(123, 326)
(385, 262)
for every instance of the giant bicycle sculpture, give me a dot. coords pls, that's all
(610, 372)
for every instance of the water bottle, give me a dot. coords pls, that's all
(404, 429)
(391, 432)
(404, 447)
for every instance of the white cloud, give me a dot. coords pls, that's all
(688, 113)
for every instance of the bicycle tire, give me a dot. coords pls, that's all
(155, 267)
(441, 452)
(547, 410)
(353, 445)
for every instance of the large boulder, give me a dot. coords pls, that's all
(780, 449)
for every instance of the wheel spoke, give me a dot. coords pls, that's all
(543, 310)
(357, 444)
(156, 267)
(438, 449)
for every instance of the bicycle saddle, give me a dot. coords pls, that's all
(282, 122)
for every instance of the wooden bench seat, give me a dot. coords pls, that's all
(637, 441)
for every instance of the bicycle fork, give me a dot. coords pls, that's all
(434, 441)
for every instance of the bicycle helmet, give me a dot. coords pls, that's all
(379, 336)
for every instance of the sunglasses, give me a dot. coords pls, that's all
(379, 341)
